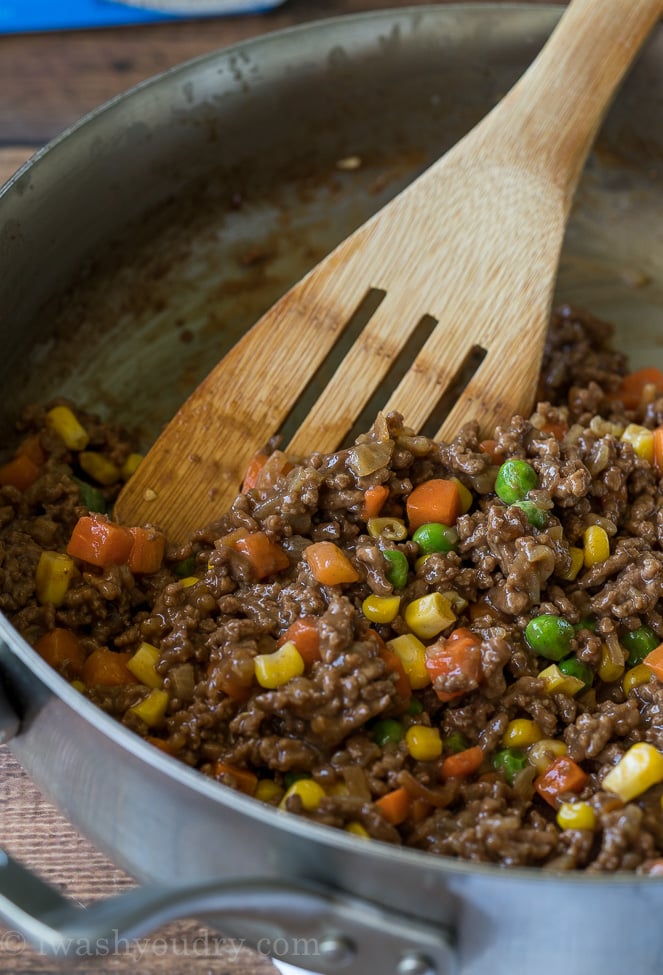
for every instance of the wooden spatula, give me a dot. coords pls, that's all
(473, 244)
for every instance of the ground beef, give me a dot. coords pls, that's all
(446, 742)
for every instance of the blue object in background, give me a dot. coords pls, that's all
(18, 16)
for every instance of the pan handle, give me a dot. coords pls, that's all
(328, 932)
(9, 721)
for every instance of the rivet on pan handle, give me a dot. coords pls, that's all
(327, 932)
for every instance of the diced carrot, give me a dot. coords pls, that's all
(394, 806)
(457, 654)
(654, 660)
(105, 668)
(31, 447)
(147, 550)
(236, 684)
(232, 536)
(490, 447)
(481, 608)
(435, 500)
(305, 634)
(374, 499)
(420, 809)
(162, 744)
(633, 386)
(395, 665)
(235, 689)
(563, 775)
(329, 565)
(658, 450)
(253, 469)
(244, 780)
(557, 428)
(265, 555)
(61, 649)
(21, 473)
(265, 470)
(99, 541)
(462, 764)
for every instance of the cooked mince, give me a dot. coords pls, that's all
(451, 646)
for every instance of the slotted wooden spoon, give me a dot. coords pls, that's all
(473, 243)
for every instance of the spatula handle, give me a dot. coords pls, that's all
(543, 121)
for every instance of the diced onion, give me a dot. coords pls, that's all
(366, 458)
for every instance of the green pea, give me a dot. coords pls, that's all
(510, 761)
(534, 514)
(414, 707)
(398, 567)
(386, 731)
(639, 643)
(573, 667)
(514, 479)
(91, 497)
(185, 568)
(291, 777)
(435, 537)
(454, 743)
(550, 636)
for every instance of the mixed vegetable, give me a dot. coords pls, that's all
(429, 639)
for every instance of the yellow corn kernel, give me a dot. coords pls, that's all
(577, 562)
(188, 581)
(558, 683)
(520, 733)
(641, 439)
(544, 752)
(275, 669)
(54, 573)
(576, 815)
(152, 709)
(423, 743)
(338, 789)
(308, 791)
(639, 674)
(392, 528)
(67, 425)
(79, 686)
(100, 468)
(610, 668)
(464, 495)
(131, 465)
(596, 545)
(638, 769)
(143, 665)
(429, 615)
(381, 609)
(458, 603)
(412, 654)
(357, 829)
(268, 791)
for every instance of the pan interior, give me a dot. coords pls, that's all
(266, 175)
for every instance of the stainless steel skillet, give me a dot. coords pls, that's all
(237, 155)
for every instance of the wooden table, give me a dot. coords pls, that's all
(47, 81)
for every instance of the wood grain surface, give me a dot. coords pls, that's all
(34, 833)
(48, 81)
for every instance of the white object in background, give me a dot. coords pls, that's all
(286, 969)
(192, 8)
